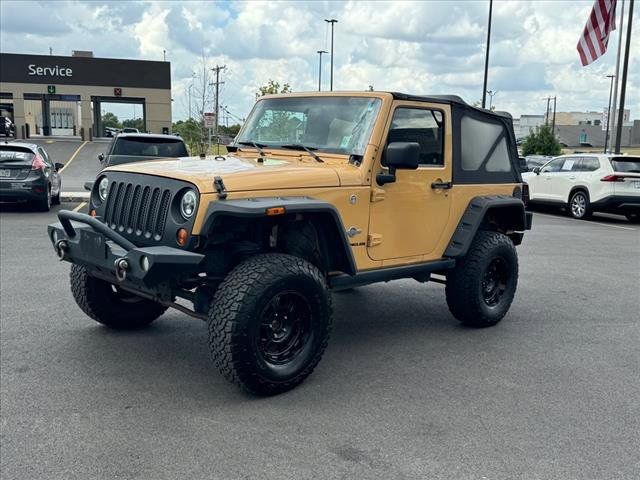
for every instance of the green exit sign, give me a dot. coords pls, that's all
(51, 89)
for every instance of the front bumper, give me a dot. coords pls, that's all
(84, 240)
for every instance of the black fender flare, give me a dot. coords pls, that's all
(473, 217)
(256, 207)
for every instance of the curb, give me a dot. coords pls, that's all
(74, 196)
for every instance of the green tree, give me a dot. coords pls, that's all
(273, 87)
(110, 120)
(191, 132)
(541, 142)
(134, 123)
(231, 130)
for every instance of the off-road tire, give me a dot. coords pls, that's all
(633, 217)
(301, 240)
(44, 203)
(579, 206)
(237, 324)
(466, 283)
(119, 310)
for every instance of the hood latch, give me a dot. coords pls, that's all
(218, 184)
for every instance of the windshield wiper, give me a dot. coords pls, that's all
(257, 146)
(309, 150)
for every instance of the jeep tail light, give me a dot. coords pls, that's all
(38, 163)
(612, 178)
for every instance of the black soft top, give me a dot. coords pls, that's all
(448, 99)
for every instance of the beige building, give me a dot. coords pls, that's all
(62, 96)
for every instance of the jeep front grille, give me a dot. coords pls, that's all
(137, 210)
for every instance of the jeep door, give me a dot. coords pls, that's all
(409, 215)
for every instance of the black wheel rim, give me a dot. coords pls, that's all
(285, 326)
(494, 281)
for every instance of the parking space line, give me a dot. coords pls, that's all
(588, 222)
(73, 156)
(80, 206)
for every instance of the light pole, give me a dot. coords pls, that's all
(491, 95)
(332, 22)
(486, 57)
(189, 89)
(320, 52)
(606, 136)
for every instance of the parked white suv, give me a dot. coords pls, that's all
(586, 183)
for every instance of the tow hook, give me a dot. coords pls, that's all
(61, 248)
(122, 265)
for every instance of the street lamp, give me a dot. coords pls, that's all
(320, 52)
(606, 136)
(491, 95)
(332, 22)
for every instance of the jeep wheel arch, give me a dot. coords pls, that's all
(496, 212)
(243, 213)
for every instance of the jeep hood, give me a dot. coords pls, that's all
(246, 174)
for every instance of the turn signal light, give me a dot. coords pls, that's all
(274, 211)
(181, 237)
(612, 178)
(92, 212)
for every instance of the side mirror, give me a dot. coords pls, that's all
(399, 155)
(536, 170)
(88, 186)
(58, 166)
(101, 157)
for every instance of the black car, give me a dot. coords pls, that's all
(28, 174)
(137, 147)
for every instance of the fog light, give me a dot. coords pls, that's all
(54, 236)
(144, 263)
(181, 237)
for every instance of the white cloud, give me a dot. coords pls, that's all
(418, 47)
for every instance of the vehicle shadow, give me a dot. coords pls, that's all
(596, 217)
(173, 353)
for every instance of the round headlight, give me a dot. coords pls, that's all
(103, 188)
(188, 204)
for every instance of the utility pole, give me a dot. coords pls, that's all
(164, 55)
(320, 52)
(553, 123)
(606, 136)
(546, 116)
(623, 86)
(332, 22)
(217, 83)
(486, 58)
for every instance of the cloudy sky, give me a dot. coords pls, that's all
(417, 47)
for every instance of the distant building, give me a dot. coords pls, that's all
(526, 124)
(594, 135)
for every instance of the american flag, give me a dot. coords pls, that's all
(594, 39)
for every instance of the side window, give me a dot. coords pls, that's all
(423, 126)
(554, 165)
(484, 146)
(590, 164)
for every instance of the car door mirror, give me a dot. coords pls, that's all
(536, 170)
(399, 155)
(101, 157)
(59, 166)
(88, 186)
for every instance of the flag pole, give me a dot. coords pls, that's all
(612, 108)
(623, 86)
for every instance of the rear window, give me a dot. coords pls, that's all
(626, 164)
(484, 146)
(150, 147)
(16, 155)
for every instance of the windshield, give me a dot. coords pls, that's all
(331, 124)
(626, 164)
(149, 147)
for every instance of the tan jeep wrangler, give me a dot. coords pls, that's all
(320, 192)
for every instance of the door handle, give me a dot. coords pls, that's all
(572, 177)
(441, 185)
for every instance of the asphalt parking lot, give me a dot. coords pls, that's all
(403, 392)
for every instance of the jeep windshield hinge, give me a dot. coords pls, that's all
(218, 184)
